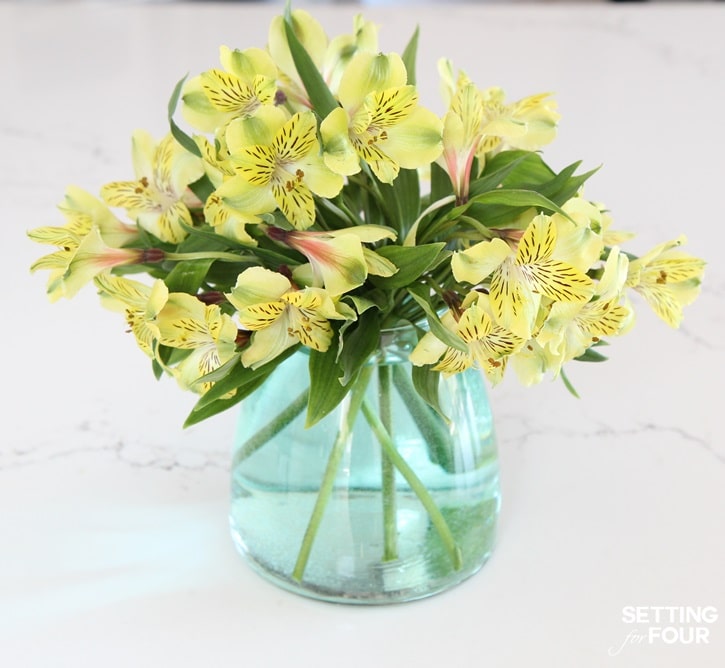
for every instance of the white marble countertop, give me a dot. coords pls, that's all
(114, 543)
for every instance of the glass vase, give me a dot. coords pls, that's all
(383, 500)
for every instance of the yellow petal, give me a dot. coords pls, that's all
(268, 343)
(261, 315)
(428, 351)
(415, 141)
(296, 138)
(479, 261)
(296, 203)
(257, 285)
(377, 265)
(537, 242)
(559, 281)
(340, 155)
(247, 64)
(130, 195)
(369, 72)
(513, 302)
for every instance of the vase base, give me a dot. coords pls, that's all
(371, 592)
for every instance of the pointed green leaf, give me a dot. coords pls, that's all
(188, 276)
(202, 188)
(184, 139)
(320, 96)
(239, 379)
(567, 384)
(493, 179)
(360, 341)
(326, 390)
(234, 375)
(401, 200)
(421, 295)
(409, 56)
(591, 355)
(412, 262)
(440, 183)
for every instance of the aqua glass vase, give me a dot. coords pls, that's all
(383, 500)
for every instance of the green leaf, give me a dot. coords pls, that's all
(500, 206)
(425, 382)
(238, 379)
(421, 399)
(187, 142)
(409, 56)
(511, 198)
(440, 183)
(188, 276)
(401, 200)
(203, 413)
(412, 262)
(157, 369)
(326, 390)
(591, 355)
(202, 188)
(234, 375)
(493, 179)
(407, 190)
(530, 168)
(421, 295)
(567, 384)
(360, 341)
(319, 94)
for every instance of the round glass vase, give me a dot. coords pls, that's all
(383, 500)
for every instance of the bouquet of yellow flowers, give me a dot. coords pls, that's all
(315, 203)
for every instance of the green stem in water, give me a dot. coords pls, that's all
(271, 429)
(206, 255)
(390, 529)
(357, 394)
(416, 485)
(431, 426)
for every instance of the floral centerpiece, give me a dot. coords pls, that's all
(315, 204)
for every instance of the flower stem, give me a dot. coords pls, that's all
(416, 485)
(357, 395)
(206, 255)
(271, 429)
(390, 529)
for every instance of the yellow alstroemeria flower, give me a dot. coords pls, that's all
(225, 220)
(532, 362)
(379, 121)
(283, 168)
(527, 124)
(462, 127)
(488, 344)
(158, 199)
(337, 258)
(667, 278)
(281, 316)
(520, 277)
(140, 304)
(578, 234)
(247, 82)
(571, 328)
(83, 212)
(75, 265)
(188, 324)
(342, 48)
